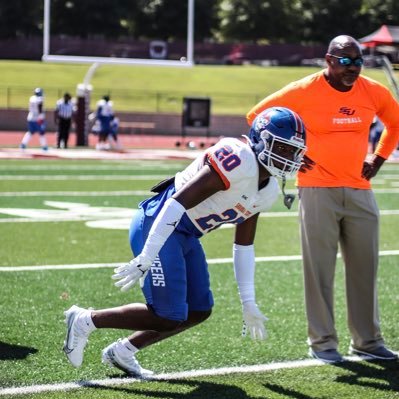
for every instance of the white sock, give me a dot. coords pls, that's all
(85, 322)
(43, 141)
(26, 139)
(129, 346)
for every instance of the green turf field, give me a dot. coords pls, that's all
(233, 89)
(60, 213)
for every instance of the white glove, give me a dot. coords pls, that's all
(254, 321)
(129, 274)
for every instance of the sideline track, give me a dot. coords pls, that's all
(68, 386)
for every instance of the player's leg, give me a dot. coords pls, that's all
(58, 139)
(112, 141)
(32, 127)
(59, 133)
(165, 311)
(199, 295)
(42, 136)
(165, 290)
(66, 132)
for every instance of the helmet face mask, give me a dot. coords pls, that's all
(277, 137)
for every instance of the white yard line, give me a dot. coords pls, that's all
(83, 177)
(259, 368)
(74, 218)
(131, 166)
(74, 193)
(131, 176)
(217, 261)
(129, 192)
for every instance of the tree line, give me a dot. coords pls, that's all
(251, 21)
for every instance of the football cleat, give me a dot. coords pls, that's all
(76, 337)
(117, 355)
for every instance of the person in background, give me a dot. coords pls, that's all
(376, 129)
(36, 120)
(63, 114)
(337, 205)
(104, 114)
(113, 135)
(232, 182)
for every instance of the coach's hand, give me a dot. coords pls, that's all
(306, 164)
(254, 321)
(129, 274)
(371, 167)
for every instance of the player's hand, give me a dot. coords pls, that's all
(254, 321)
(129, 274)
(40, 119)
(306, 164)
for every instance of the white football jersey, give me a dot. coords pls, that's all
(34, 111)
(106, 107)
(236, 164)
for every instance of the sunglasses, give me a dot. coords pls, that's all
(347, 61)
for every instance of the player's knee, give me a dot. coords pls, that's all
(167, 325)
(197, 317)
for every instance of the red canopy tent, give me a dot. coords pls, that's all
(385, 35)
(385, 41)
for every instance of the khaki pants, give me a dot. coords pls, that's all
(349, 217)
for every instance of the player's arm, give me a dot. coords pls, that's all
(245, 231)
(41, 116)
(244, 272)
(206, 183)
(203, 185)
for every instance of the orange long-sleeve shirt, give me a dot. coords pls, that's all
(337, 126)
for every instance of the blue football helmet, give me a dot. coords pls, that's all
(277, 137)
(38, 92)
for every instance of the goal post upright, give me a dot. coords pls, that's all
(84, 89)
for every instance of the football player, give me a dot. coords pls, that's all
(36, 120)
(231, 182)
(104, 115)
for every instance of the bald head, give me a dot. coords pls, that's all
(344, 62)
(343, 42)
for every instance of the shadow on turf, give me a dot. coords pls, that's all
(15, 352)
(362, 375)
(364, 372)
(198, 389)
(287, 392)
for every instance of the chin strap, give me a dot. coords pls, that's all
(288, 198)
